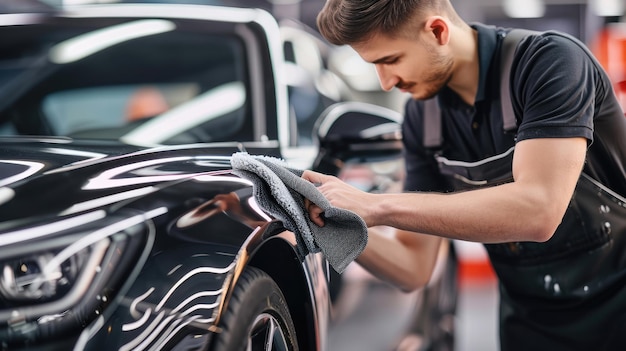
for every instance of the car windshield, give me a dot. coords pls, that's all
(145, 81)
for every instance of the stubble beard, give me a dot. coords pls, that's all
(438, 77)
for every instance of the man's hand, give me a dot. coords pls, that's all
(316, 214)
(340, 195)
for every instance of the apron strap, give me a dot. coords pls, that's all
(509, 44)
(432, 124)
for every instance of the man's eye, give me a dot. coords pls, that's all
(391, 61)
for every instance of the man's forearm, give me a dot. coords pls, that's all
(404, 259)
(509, 212)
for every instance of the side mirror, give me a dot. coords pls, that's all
(356, 132)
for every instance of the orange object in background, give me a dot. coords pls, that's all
(476, 272)
(609, 47)
(474, 266)
(144, 103)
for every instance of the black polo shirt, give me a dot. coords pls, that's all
(559, 90)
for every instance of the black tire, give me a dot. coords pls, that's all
(257, 317)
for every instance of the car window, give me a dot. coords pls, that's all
(72, 111)
(170, 86)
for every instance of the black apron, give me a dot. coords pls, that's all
(568, 293)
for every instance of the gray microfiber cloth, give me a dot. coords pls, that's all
(281, 191)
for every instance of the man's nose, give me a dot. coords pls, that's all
(386, 78)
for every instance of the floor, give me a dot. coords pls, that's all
(373, 316)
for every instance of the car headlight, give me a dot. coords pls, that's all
(39, 278)
(56, 277)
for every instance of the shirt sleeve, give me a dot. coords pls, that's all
(554, 88)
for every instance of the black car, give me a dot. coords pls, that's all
(122, 226)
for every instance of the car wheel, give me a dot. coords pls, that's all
(257, 317)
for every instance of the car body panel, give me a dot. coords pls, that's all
(189, 260)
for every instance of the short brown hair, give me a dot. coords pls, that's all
(346, 22)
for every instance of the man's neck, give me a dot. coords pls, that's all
(466, 71)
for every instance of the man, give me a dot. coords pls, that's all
(532, 194)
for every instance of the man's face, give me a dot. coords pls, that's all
(415, 66)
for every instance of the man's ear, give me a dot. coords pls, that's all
(438, 26)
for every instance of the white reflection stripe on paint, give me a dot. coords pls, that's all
(33, 167)
(86, 154)
(132, 344)
(195, 296)
(170, 333)
(107, 178)
(212, 270)
(197, 307)
(138, 323)
(48, 229)
(171, 327)
(6, 194)
(106, 200)
(155, 333)
(133, 305)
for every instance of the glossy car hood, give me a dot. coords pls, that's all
(52, 176)
(174, 217)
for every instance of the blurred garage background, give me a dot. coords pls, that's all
(369, 314)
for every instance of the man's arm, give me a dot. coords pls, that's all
(404, 259)
(530, 208)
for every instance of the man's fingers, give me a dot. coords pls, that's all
(314, 177)
(315, 212)
(316, 215)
